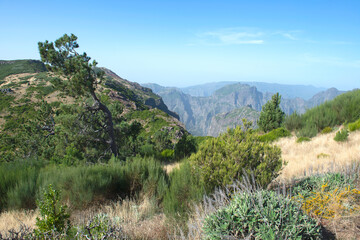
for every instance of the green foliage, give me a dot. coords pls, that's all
(309, 131)
(20, 66)
(344, 108)
(21, 182)
(271, 116)
(263, 215)
(354, 126)
(302, 139)
(53, 215)
(167, 154)
(225, 158)
(275, 135)
(326, 130)
(185, 146)
(341, 135)
(184, 190)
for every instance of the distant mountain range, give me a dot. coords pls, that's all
(209, 109)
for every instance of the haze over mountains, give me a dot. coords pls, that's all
(210, 109)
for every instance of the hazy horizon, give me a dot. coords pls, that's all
(191, 43)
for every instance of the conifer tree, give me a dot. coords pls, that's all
(62, 58)
(271, 116)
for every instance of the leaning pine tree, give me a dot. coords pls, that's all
(271, 116)
(62, 58)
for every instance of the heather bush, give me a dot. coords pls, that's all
(341, 135)
(354, 126)
(221, 160)
(184, 190)
(261, 215)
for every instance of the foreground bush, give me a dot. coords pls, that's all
(225, 158)
(53, 215)
(183, 191)
(261, 215)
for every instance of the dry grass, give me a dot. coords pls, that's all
(171, 166)
(321, 154)
(14, 219)
(139, 220)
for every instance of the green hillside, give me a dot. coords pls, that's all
(345, 108)
(20, 66)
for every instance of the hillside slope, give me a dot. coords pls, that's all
(37, 106)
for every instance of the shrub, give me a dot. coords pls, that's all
(341, 136)
(54, 215)
(326, 130)
(309, 130)
(223, 159)
(354, 126)
(167, 154)
(293, 122)
(314, 183)
(302, 139)
(275, 134)
(263, 215)
(330, 203)
(184, 189)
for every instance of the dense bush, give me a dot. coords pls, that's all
(21, 184)
(225, 158)
(341, 135)
(354, 126)
(274, 135)
(262, 215)
(184, 190)
(293, 122)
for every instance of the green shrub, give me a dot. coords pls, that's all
(263, 215)
(310, 184)
(309, 130)
(167, 154)
(341, 136)
(225, 158)
(274, 135)
(326, 130)
(354, 126)
(53, 215)
(184, 190)
(303, 139)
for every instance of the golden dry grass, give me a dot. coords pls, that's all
(14, 219)
(171, 166)
(321, 154)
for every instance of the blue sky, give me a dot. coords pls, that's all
(182, 43)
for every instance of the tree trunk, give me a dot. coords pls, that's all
(109, 123)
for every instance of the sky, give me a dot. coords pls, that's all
(184, 43)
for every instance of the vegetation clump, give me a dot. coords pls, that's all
(261, 215)
(342, 135)
(326, 130)
(354, 126)
(221, 160)
(275, 134)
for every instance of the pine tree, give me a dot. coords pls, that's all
(271, 116)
